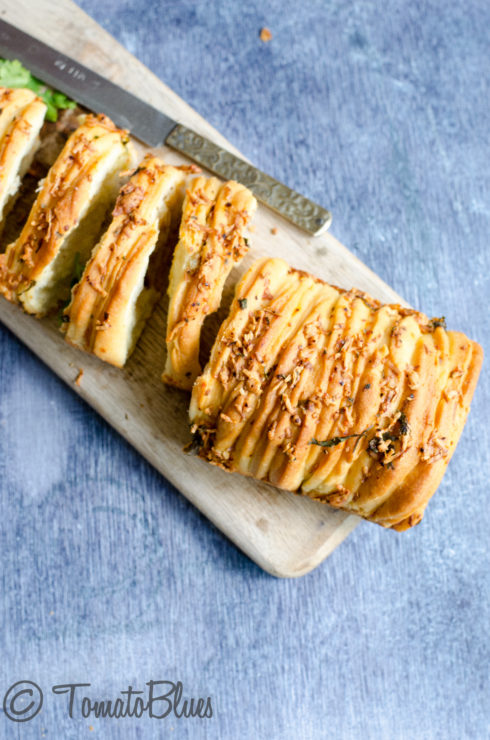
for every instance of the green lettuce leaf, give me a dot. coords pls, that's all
(14, 74)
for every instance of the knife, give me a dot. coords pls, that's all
(154, 128)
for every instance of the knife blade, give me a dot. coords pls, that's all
(154, 128)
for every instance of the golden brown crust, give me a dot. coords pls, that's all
(331, 394)
(106, 315)
(21, 117)
(211, 242)
(64, 195)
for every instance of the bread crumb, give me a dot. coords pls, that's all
(79, 377)
(274, 230)
(265, 34)
(191, 168)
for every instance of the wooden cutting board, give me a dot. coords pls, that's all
(285, 534)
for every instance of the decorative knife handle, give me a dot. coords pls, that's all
(301, 211)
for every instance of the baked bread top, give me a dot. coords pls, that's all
(66, 216)
(117, 290)
(331, 394)
(211, 241)
(21, 118)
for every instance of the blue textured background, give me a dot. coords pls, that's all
(381, 112)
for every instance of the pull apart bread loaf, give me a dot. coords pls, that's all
(211, 242)
(331, 394)
(66, 217)
(21, 118)
(122, 280)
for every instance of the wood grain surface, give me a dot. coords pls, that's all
(285, 534)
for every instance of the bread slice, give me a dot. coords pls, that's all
(211, 242)
(21, 119)
(66, 217)
(123, 279)
(332, 394)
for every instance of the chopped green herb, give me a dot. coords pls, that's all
(196, 443)
(439, 322)
(14, 74)
(403, 423)
(389, 436)
(242, 302)
(334, 441)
